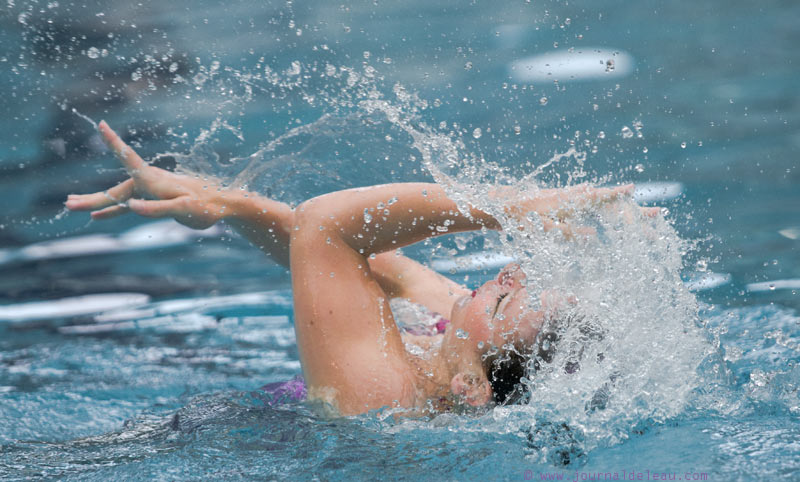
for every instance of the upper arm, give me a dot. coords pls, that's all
(349, 345)
(402, 277)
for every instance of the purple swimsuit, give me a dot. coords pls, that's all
(285, 392)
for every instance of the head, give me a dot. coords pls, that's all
(491, 339)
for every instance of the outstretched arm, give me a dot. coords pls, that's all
(194, 202)
(264, 222)
(376, 219)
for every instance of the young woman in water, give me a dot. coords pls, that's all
(345, 270)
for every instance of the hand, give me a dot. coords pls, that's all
(562, 203)
(192, 202)
(556, 206)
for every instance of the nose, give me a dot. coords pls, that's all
(511, 275)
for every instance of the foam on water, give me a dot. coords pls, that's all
(68, 307)
(154, 235)
(585, 63)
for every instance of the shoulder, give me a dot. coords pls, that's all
(361, 394)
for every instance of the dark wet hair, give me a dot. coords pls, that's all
(507, 371)
(505, 374)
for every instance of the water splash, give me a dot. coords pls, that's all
(630, 356)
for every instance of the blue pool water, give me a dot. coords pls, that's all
(134, 349)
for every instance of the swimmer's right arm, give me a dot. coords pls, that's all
(264, 222)
(197, 203)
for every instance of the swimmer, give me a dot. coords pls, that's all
(341, 251)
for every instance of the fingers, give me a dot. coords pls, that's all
(99, 200)
(651, 212)
(132, 162)
(609, 194)
(569, 231)
(159, 209)
(585, 196)
(151, 209)
(109, 212)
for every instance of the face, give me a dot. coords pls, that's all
(495, 316)
(498, 313)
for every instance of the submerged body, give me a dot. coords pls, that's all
(341, 249)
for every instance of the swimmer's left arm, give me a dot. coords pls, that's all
(555, 207)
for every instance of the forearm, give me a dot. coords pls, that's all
(382, 218)
(264, 222)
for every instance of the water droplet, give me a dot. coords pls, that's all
(771, 287)
(367, 216)
(517, 130)
(333, 274)
(701, 265)
(627, 133)
(462, 334)
(645, 150)
(481, 345)
(601, 135)
(543, 101)
(683, 145)
(93, 52)
(639, 167)
(136, 75)
(610, 65)
(468, 66)
(477, 133)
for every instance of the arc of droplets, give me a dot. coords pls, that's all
(631, 277)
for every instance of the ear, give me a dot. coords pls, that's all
(475, 389)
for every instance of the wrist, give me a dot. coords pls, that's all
(232, 205)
